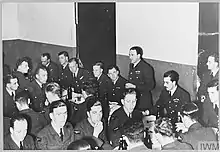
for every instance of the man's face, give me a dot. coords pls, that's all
(73, 66)
(129, 102)
(63, 59)
(134, 57)
(95, 114)
(42, 76)
(44, 60)
(13, 85)
(213, 94)
(20, 130)
(59, 116)
(211, 63)
(97, 71)
(24, 67)
(113, 74)
(168, 84)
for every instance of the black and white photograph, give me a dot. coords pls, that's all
(110, 76)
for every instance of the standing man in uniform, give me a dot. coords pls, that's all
(52, 67)
(141, 77)
(64, 72)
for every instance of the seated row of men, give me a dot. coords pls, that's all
(59, 134)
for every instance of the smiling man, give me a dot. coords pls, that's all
(58, 134)
(141, 77)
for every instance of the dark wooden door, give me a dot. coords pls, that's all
(96, 33)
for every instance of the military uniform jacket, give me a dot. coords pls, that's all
(142, 75)
(117, 120)
(9, 144)
(84, 128)
(103, 82)
(64, 77)
(23, 82)
(38, 96)
(50, 140)
(36, 121)
(115, 91)
(209, 116)
(173, 103)
(206, 78)
(82, 76)
(9, 107)
(53, 71)
(176, 145)
(198, 133)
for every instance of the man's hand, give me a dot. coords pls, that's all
(98, 129)
(181, 126)
(129, 85)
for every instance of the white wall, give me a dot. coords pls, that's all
(48, 23)
(166, 31)
(10, 26)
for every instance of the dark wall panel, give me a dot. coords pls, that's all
(96, 39)
(15, 49)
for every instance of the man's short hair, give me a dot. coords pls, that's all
(64, 53)
(213, 83)
(90, 87)
(56, 104)
(92, 101)
(38, 69)
(8, 77)
(21, 60)
(216, 56)
(174, 76)
(164, 126)
(54, 88)
(47, 55)
(79, 145)
(18, 117)
(100, 64)
(113, 66)
(191, 110)
(134, 130)
(74, 59)
(138, 49)
(129, 91)
(22, 97)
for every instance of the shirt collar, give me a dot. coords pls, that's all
(39, 83)
(57, 130)
(114, 82)
(136, 63)
(77, 70)
(16, 142)
(173, 90)
(126, 111)
(10, 91)
(65, 65)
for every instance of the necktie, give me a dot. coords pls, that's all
(13, 96)
(211, 76)
(130, 116)
(21, 146)
(132, 66)
(216, 109)
(61, 134)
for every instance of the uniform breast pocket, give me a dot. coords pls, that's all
(138, 75)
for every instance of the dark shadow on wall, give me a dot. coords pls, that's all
(209, 33)
(15, 49)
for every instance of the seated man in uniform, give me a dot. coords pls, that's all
(9, 90)
(93, 125)
(123, 114)
(18, 139)
(172, 97)
(211, 105)
(116, 86)
(36, 120)
(36, 89)
(194, 132)
(58, 134)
